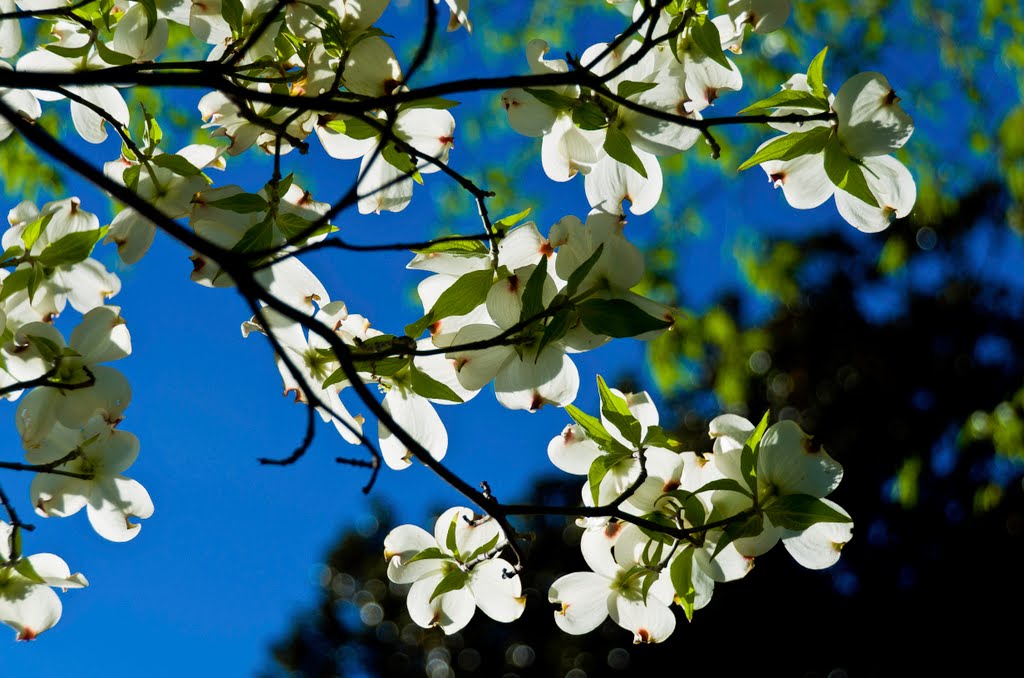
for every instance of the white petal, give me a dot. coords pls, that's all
(499, 597)
(572, 451)
(611, 182)
(819, 546)
(88, 123)
(529, 382)
(451, 611)
(114, 501)
(871, 121)
(102, 336)
(650, 623)
(526, 114)
(894, 189)
(794, 464)
(402, 544)
(417, 417)
(803, 180)
(584, 597)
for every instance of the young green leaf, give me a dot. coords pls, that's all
(588, 115)
(71, 249)
(617, 413)
(628, 88)
(453, 581)
(681, 573)
(704, 34)
(788, 98)
(258, 238)
(428, 387)
(432, 553)
(176, 164)
(577, 277)
(847, 174)
(551, 98)
(815, 74)
(242, 203)
(513, 219)
(533, 295)
(792, 145)
(618, 318)
(618, 146)
(470, 247)
(800, 511)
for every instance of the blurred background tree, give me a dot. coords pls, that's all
(898, 352)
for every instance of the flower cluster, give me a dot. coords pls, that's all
(68, 418)
(664, 525)
(508, 306)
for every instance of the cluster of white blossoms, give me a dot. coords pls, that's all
(665, 525)
(509, 307)
(68, 418)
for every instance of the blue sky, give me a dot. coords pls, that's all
(232, 552)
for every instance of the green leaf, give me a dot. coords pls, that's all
(12, 252)
(428, 387)
(110, 56)
(815, 74)
(257, 239)
(750, 526)
(628, 88)
(49, 350)
(69, 52)
(598, 470)
(130, 176)
(512, 219)
(748, 457)
(337, 125)
(453, 581)
(16, 281)
(800, 511)
(450, 540)
(556, 328)
(486, 548)
(533, 295)
(430, 102)
(359, 129)
(31, 233)
(431, 553)
(704, 34)
(617, 145)
(70, 249)
(232, 11)
(588, 115)
(577, 277)
(661, 519)
(618, 318)
(592, 425)
(723, 484)
(788, 98)
(658, 437)
(384, 367)
(470, 247)
(176, 164)
(847, 174)
(792, 145)
(465, 294)
(149, 7)
(649, 579)
(337, 376)
(551, 98)
(242, 203)
(681, 573)
(25, 569)
(401, 161)
(617, 413)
